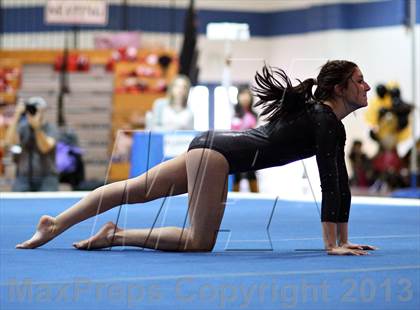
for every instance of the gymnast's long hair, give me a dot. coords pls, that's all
(279, 98)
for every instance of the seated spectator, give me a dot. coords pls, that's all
(34, 142)
(172, 112)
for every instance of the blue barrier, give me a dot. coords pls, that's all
(150, 148)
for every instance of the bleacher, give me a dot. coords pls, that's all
(93, 108)
(88, 108)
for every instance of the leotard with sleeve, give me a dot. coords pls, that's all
(315, 130)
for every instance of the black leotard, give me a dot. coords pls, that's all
(313, 131)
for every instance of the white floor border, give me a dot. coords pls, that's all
(389, 201)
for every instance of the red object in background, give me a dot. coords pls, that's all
(83, 63)
(1, 162)
(75, 62)
(2, 85)
(387, 161)
(360, 176)
(122, 54)
(115, 57)
(145, 71)
(72, 63)
(131, 54)
(9, 79)
(110, 65)
(132, 90)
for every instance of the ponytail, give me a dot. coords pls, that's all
(277, 96)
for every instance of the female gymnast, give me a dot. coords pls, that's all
(300, 124)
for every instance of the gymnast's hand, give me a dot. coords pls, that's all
(353, 246)
(346, 251)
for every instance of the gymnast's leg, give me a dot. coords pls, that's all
(207, 172)
(168, 178)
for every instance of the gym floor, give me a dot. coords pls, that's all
(268, 256)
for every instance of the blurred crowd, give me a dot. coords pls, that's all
(46, 156)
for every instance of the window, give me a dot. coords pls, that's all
(199, 103)
(223, 106)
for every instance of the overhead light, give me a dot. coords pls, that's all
(228, 31)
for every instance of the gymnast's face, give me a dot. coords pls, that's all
(355, 94)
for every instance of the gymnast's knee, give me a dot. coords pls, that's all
(201, 244)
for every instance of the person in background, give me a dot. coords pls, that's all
(244, 118)
(361, 166)
(33, 140)
(172, 112)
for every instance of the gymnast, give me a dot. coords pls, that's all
(300, 124)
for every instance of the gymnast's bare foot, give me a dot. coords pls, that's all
(45, 231)
(103, 238)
